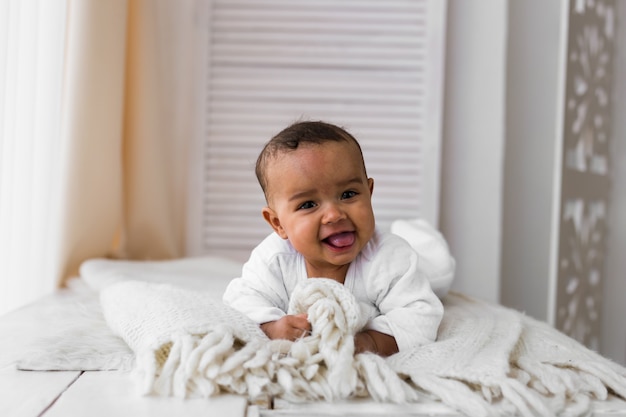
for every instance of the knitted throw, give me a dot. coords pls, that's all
(488, 360)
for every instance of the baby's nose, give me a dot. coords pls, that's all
(333, 213)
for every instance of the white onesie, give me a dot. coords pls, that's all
(385, 278)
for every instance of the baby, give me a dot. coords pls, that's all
(319, 204)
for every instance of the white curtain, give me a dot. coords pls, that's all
(97, 165)
(32, 37)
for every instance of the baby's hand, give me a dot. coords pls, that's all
(287, 327)
(375, 342)
(364, 342)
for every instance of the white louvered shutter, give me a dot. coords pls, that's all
(373, 67)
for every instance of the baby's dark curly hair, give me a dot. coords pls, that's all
(290, 138)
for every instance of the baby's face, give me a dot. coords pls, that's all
(320, 199)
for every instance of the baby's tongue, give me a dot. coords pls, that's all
(341, 240)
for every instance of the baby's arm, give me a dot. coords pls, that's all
(290, 327)
(260, 292)
(409, 309)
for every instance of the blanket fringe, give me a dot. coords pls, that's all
(527, 402)
(455, 394)
(563, 370)
(202, 365)
(382, 383)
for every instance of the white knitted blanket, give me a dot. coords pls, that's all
(488, 360)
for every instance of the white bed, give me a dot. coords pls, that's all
(164, 321)
(41, 336)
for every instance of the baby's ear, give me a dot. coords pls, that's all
(272, 219)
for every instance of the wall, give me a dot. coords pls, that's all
(473, 141)
(530, 154)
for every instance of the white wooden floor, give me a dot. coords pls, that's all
(112, 393)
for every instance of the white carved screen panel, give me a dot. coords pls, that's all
(584, 171)
(375, 68)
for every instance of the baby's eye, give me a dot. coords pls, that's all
(306, 205)
(348, 194)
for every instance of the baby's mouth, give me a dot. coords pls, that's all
(340, 240)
